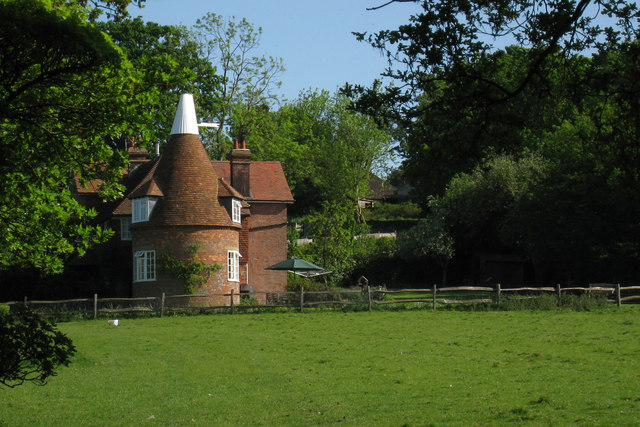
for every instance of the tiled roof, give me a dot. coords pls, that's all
(132, 181)
(267, 180)
(188, 183)
(226, 190)
(90, 187)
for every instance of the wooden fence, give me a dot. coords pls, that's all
(366, 297)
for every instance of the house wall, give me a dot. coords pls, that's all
(267, 246)
(213, 245)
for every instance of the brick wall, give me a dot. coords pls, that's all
(268, 246)
(213, 245)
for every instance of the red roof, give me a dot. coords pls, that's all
(267, 180)
(188, 184)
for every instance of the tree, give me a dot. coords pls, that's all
(32, 348)
(247, 80)
(447, 41)
(64, 88)
(166, 61)
(456, 93)
(430, 238)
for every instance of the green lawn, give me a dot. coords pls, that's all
(415, 367)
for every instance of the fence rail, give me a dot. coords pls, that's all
(367, 297)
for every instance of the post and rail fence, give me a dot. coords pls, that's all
(366, 297)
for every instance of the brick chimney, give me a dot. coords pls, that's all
(137, 155)
(241, 168)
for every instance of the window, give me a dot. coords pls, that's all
(141, 208)
(233, 266)
(144, 266)
(236, 209)
(125, 228)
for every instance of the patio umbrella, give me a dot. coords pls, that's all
(299, 266)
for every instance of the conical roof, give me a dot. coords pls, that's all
(185, 120)
(185, 177)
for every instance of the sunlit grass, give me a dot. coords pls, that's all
(415, 367)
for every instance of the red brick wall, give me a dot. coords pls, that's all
(268, 246)
(178, 241)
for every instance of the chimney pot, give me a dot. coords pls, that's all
(235, 144)
(244, 145)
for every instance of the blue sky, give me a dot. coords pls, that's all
(313, 37)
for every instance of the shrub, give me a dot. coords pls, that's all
(389, 211)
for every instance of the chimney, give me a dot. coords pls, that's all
(137, 155)
(241, 168)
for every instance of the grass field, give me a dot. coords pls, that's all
(389, 368)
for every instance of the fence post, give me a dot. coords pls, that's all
(498, 293)
(559, 291)
(618, 295)
(301, 298)
(434, 296)
(369, 297)
(162, 304)
(95, 306)
(233, 307)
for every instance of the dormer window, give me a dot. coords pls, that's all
(141, 208)
(236, 209)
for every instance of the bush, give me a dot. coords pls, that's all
(390, 211)
(31, 348)
(295, 282)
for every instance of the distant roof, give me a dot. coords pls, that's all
(267, 180)
(380, 189)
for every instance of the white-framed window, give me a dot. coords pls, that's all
(144, 266)
(141, 208)
(236, 209)
(125, 228)
(233, 266)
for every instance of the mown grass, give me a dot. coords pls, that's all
(415, 367)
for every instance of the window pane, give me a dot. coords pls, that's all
(125, 228)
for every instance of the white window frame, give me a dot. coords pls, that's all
(236, 210)
(144, 266)
(233, 266)
(141, 208)
(125, 228)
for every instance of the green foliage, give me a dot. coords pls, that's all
(333, 230)
(393, 211)
(430, 238)
(295, 283)
(557, 117)
(166, 61)
(326, 149)
(247, 80)
(32, 348)
(64, 89)
(192, 272)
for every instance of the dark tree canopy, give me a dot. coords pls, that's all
(32, 348)
(448, 41)
(476, 89)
